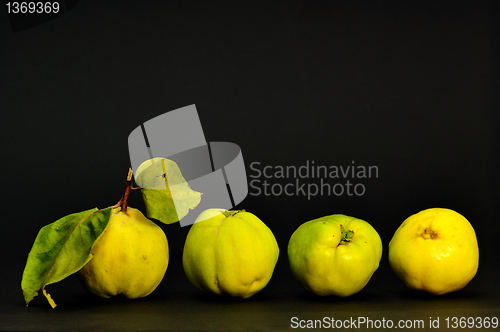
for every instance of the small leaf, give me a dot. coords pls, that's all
(346, 236)
(166, 194)
(61, 249)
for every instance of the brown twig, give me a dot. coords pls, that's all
(126, 192)
(123, 201)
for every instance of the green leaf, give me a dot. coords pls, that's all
(166, 194)
(61, 249)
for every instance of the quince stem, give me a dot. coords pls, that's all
(232, 213)
(346, 236)
(122, 204)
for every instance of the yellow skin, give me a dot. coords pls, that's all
(435, 251)
(130, 257)
(324, 264)
(233, 255)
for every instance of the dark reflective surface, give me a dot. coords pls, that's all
(185, 308)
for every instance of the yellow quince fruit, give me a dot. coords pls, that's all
(130, 258)
(435, 251)
(229, 253)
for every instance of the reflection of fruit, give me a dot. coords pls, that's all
(435, 251)
(130, 257)
(334, 255)
(229, 252)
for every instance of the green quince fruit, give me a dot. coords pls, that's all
(229, 253)
(334, 255)
(130, 258)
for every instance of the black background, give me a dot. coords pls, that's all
(410, 88)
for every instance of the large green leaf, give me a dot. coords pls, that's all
(61, 249)
(167, 195)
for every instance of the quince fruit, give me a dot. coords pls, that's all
(435, 251)
(334, 255)
(229, 253)
(130, 258)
